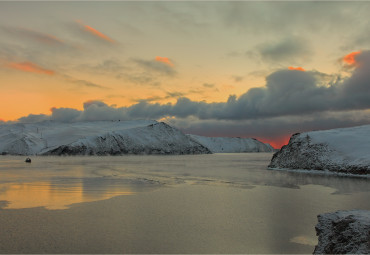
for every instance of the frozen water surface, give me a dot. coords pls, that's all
(219, 203)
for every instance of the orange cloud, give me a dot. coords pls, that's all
(96, 33)
(296, 68)
(30, 67)
(164, 60)
(350, 58)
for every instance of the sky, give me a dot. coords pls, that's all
(261, 69)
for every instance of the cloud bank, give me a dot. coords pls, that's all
(291, 101)
(287, 93)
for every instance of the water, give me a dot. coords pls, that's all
(220, 203)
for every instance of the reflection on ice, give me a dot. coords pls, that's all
(45, 194)
(56, 182)
(305, 240)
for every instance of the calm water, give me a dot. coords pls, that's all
(220, 203)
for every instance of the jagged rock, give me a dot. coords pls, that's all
(343, 232)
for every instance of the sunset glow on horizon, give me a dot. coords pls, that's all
(205, 67)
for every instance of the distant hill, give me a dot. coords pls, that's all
(232, 144)
(96, 138)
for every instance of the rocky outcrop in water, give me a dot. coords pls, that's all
(344, 150)
(343, 232)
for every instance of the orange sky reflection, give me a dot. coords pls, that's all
(43, 194)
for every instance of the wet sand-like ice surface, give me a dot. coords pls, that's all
(221, 203)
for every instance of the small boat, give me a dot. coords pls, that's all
(28, 160)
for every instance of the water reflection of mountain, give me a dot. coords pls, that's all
(56, 182)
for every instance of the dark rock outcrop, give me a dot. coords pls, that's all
(302, 153)
(343, 232)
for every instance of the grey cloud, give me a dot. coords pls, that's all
(82, 82)
(287, 93)
(288, 49)
(147, 72)
(363, 39)
(9, 52)
(32, 118)
(140, 78)
(259, 73)
(89, 84)
(65, 114)
(208, 85)
(238, 78)
(187, 18)
(100, 111)
(93, 110)
(156, 66)
(35, 36)
(174, 94)
(197, 91)
(109, 66)
(283, 17)
(96, 103)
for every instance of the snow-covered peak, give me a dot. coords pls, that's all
(96, 138)
(33, 138)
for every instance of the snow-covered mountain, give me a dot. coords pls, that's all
(343, 232)
(96, 138)
(344, 150)
(232, 144)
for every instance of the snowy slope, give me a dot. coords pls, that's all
(343, 232)
(158, 138)
(345, 150)
(232, 144)
(46, 137)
